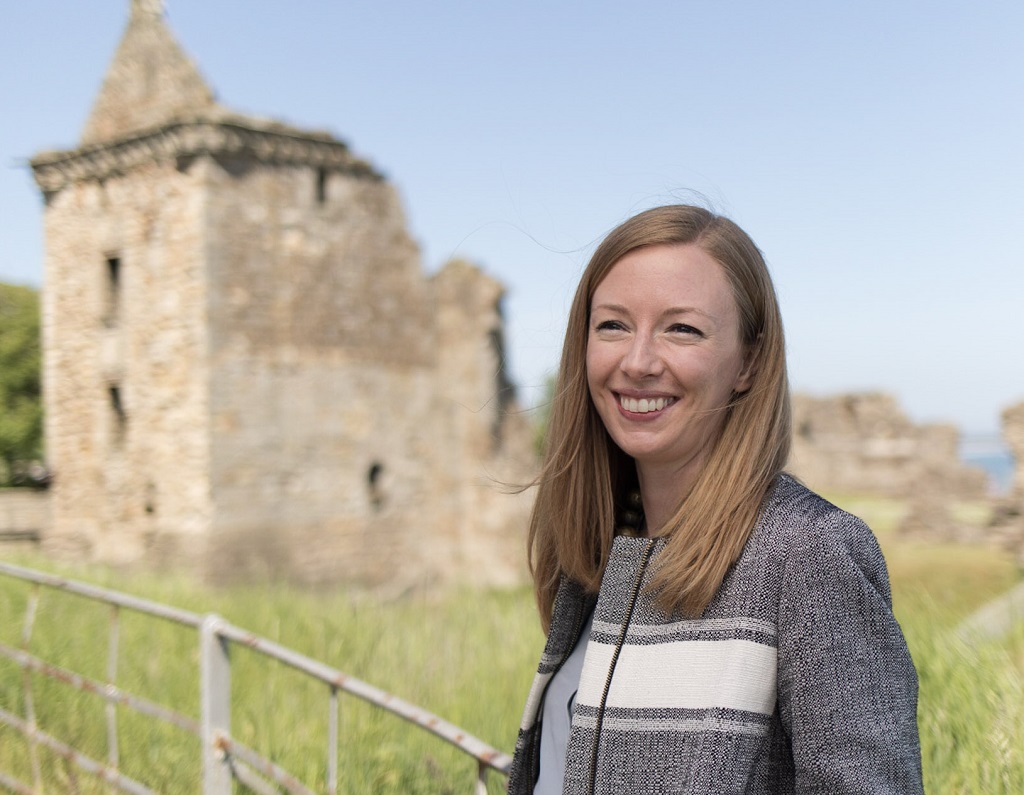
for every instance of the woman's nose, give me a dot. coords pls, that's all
(642, 359)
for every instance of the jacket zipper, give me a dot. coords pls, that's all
(615, 659)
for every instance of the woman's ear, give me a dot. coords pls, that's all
(749, 369)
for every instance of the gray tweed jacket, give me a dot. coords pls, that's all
(796, 679)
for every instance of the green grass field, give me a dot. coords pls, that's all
(467, 656)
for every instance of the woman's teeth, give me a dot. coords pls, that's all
(644, 405)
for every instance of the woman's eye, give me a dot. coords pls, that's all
(682, 328)
(609, 325)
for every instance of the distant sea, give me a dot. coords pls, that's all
(990, 454)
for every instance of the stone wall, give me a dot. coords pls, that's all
(864, 443)
(248, 371)
(125, 362)
(321, 355)
(483, 424)
(24, 518)
(1013, 434)
(1007, 525)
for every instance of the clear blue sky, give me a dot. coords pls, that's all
(874, 150)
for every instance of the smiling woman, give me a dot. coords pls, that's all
(713, 626)
(664, 360)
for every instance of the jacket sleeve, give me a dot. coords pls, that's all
(847, 687)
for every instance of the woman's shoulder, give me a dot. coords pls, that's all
(798, 527)
(801, 543)
(801, 515)
(807, 530)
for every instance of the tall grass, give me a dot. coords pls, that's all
(467, 656)
(971, 698)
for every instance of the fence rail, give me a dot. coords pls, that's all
(224, 758)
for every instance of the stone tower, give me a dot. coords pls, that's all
(246, 368)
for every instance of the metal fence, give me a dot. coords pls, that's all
(224, 758)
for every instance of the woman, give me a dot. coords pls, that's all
(713, 626)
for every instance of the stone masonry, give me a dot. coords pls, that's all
(1007, 525)
(864, 443)
(246, 368)
(1013, 434)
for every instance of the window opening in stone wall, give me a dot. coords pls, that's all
(373, 482)
(112, 300)
(321, 185)
(150, 504)
(118, 415)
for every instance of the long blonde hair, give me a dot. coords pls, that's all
(585, 478)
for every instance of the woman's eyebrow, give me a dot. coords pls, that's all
(687, 310)
(670, 312)
(673, 310)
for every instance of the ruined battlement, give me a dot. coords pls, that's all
(864, 443)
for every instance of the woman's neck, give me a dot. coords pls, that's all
(661, 489)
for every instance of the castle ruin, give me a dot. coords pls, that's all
(246, 368)
(1007, 526)
(1013, 433)
(863, 443)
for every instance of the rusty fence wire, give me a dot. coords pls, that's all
(224, 759)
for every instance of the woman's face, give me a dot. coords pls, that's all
(664, 356)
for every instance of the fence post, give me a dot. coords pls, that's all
(215, 697)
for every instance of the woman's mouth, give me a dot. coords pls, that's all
(644, 405)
